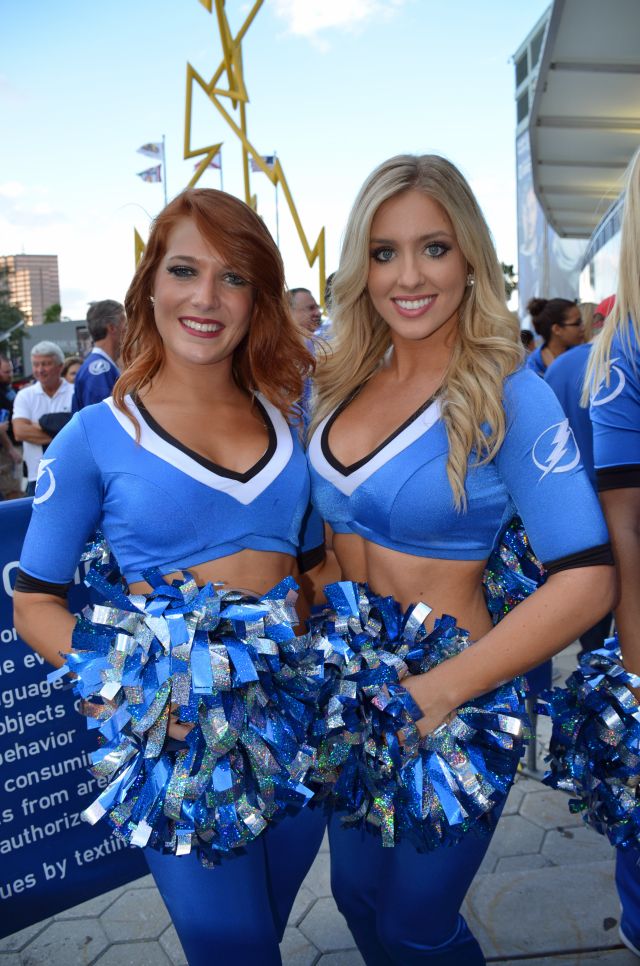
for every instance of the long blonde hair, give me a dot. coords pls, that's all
(488, 348)
(626, 308)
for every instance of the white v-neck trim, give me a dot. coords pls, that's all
(244, 492)
(347, 484)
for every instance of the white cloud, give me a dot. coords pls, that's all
(30, 215)
(94, 249)
(27, 206)
(308, 17)
(12, 189)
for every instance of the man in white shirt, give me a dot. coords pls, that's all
(49, 394)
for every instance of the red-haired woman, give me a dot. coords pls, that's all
(193, 466)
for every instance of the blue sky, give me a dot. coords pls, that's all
(335, 87)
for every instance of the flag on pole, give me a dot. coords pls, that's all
(216, 162)
(269, 160)
(152, 150)
(151, 174)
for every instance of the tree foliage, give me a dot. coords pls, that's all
(10, 316)
(52, 314)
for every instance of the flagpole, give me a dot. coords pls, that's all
(164, 170)
(277, 213)
(221, 181)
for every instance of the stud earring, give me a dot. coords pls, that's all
(152, 300)
(470, 279)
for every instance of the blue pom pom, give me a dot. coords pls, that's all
(595, 744)
(512, 572)
(371, 763)
(230, 668)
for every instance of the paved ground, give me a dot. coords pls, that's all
(545, 896)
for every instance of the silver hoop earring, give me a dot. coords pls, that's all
(152, 300)
(470, 280)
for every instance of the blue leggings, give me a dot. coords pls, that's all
(628, 883)
(402, 906)
(237, 912)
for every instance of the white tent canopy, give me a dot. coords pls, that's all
(585, 118)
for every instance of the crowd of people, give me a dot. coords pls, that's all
(59, 387)
(429, 429)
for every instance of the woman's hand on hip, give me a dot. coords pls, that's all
(436, 710)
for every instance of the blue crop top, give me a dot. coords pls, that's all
(400, 497)
(158, 503)
(615, 414)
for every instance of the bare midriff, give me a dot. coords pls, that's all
(448, 586)
(250, 571)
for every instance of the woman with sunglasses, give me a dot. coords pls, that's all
(559, 324)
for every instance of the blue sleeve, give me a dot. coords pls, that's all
(566, 377)
(539, 463)
(615, 408)
(92, 387)
(66, 508)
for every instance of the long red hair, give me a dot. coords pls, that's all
(272, 358)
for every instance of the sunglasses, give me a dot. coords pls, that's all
(572, 325)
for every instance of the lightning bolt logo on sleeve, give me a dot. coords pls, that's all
(556, 450)
(44, 474)
(605, 393)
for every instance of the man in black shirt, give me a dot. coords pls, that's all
(10, 455)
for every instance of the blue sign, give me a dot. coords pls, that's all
(50, 859)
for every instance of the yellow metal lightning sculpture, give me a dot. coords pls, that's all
(236, 93)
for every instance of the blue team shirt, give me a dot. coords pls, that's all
(160, 504)
(615, 408)
(566, 376)
(400, 496)
(95, 380)
(534, 361)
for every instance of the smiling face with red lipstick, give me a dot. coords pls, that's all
(207, 311)
(417, 272)
(202, 306)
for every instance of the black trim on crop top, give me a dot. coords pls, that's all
(307, 559)
(209, 464)
(352, 467)
(591, 557)
(618, 477)
(27, 584)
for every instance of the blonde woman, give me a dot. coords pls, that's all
(427, 437)
(613, 382)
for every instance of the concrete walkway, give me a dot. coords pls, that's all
(545, 894)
